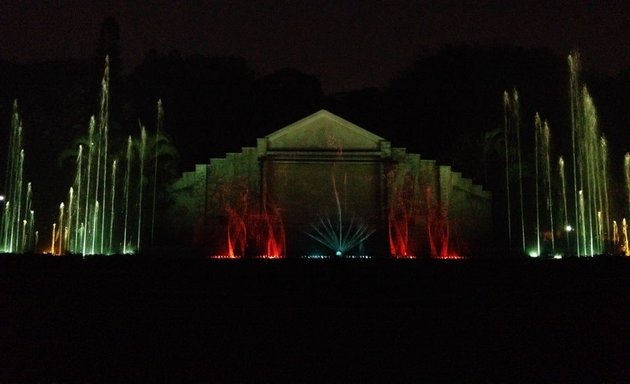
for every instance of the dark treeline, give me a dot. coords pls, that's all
(447, 106)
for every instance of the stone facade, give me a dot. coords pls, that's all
(323, 185)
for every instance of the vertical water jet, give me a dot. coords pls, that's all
(143, 146)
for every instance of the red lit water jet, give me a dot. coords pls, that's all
(401, 214)
(253, 234)
(437, 227)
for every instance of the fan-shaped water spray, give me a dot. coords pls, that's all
(340, 232)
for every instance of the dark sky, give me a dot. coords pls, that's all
(347, 44)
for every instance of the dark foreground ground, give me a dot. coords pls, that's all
(137, 319)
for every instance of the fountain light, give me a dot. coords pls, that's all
(341, 233)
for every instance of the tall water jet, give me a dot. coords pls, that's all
(576, 124)
(269, 232)
(438, 230)
(91, 183)
(127, 191)
(54, 239)
(590, 214)
(158, 129)
(582, 233)
(603, 195)
(594, 175)
(76, 235)
(17, 218)
(563, 185)
(626, 168)
(537, 128)
(590, 173)
(543, 148)
(512, 138)
(506, 104)
(112, 206)
(104, 129)
(28, 219)
(94, 223)
(237, 228)
(86, 210)
(625, 237)
(143, 146)
(61, 228)
(404, 207)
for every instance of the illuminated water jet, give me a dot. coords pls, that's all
(340, 233)
(91, 223)
(403, 209)
(624, 228)
(542, 146)
(563, 186)
(590, 217)
(16, 226)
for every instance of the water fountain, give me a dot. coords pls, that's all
(252, 233)
(588, 223)
(106, 212)
(626, 168)
(513, 158)
(340, 232)
(565, 213)
(90, 221)
(543, 172)
(624, 231)
(17, 233)
(86, 231)
(404, 207)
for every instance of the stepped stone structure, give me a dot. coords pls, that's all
(325, 186)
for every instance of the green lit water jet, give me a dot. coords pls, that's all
(512, 133)
(17, 224)
(158, 128)
(590, 168)
(143, 146)
(588, 223)
(112, 206)
(563, 185)
(543, 148)
(127, 180)
(91, 222)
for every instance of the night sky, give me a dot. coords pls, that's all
(346, 45)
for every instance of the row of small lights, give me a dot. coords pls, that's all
(331, 257)
(318, 257)
(303, 257)
(239, 257)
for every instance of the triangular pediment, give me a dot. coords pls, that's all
(323, 131)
